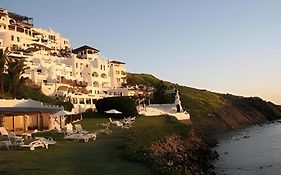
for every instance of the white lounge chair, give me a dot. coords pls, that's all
(11, 138)
(5, 140)
(46, 141)
(16, 140)
(6, 143)
(117, 123)
(32, 144)
(80, 136)
(79, 129)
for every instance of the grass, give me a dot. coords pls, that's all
(148, 130)
(106, 155)
(199, 103)
(103, 156)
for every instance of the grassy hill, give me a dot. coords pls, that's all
(213, 110)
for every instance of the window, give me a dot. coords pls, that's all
(52, 37)
(90, 52)
(100, 67)
(95, 74)
(87, 65)
(103, 67)
(18, 39)
(81, 74)
(81, 101)
(94, 101)
(117, 72)
(70, 73)
(103, 76)
(88, 101)
(74, 100)
(95, 84)
(12, 37)
(76, 65)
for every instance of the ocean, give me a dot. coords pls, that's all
(254, 150)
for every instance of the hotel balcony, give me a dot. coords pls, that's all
(20, 54)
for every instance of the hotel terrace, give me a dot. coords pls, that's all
(76, 75)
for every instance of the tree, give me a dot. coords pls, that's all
(124, 104)
(3, 60)
(15, 69)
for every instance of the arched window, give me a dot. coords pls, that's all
(95, 74)
(103, 76)
(96, 84)
(12, 21)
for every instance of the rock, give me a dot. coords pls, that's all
(184, 155)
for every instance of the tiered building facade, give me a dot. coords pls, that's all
(76, 75)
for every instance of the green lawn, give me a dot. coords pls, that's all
(102, 156)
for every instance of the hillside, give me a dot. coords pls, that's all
(212, 111)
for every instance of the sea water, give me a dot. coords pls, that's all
(251, 151)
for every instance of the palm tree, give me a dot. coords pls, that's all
(3, 60)
(16, 68)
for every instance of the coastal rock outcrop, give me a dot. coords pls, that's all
(177, 155)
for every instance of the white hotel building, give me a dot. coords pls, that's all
(78, 75)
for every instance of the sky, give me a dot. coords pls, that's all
(226, 46)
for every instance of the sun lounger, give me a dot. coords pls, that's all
(125, 123)
(16, 140)
(80, 136)
(6, 143)
(79, 129)
(38, 142)
(11, 138)
(34, 143)
(46, 141)
(117, 123)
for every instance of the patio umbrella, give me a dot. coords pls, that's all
(61, 113)
(113, 111)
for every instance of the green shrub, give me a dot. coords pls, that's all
(66, 105)
(126, 105)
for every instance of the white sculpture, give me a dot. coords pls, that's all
(178, 102)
